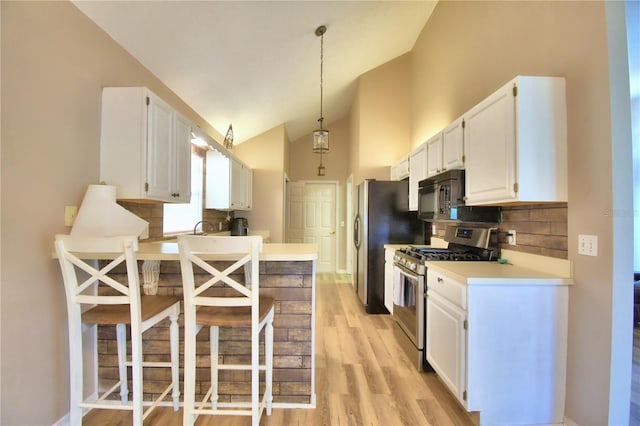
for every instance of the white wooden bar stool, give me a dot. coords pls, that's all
(242, 308)
(122, 306)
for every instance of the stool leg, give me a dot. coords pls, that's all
(136, 375)
(268, 354)
(75, 370)
(175, 358)
(214, 334)
(189, 370)
(121, 342)
(255, 377)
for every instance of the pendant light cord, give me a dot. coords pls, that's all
(321, 76)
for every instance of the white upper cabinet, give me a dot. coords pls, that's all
(434, 155)
(228, 182)
(516, 144)
(182, 159)
(144, 146)
(453, 145)
(248, 187)
(417, 172)
(400, 170)
(445, 151)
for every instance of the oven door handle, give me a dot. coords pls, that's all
(405, 271)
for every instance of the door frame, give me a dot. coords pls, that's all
(336, 202)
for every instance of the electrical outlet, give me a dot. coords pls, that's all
(588, 245)
(511, 237)
(70, 213)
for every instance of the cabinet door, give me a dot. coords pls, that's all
(490, 148)
(388, 279)
(237, 185)
(400, 170)
(434, 155)
(218, 173)
(248, 185)
(446, 343)
(417, 172)
(453, 146)
(159, 149)
(182, 161)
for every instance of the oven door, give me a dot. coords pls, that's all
(408, 304)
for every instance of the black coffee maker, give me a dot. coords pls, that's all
(239, 226)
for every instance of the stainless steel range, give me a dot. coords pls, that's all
(469, 244)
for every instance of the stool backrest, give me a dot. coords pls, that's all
(241, 252)
(80, 276)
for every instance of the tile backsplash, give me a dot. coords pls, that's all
(153, 213)
(540, 229)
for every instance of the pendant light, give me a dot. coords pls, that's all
(321, 135)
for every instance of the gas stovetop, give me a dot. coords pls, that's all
(465, 244)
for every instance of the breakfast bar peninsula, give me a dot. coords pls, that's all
(287, 273)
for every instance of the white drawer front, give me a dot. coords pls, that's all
(451, 290)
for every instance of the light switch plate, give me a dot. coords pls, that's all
(588, 245)
(70, 213)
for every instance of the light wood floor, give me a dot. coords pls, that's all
(362, 376)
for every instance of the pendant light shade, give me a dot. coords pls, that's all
(320, 140)
(321, 135)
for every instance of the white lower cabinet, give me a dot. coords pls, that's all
(447, 343)
(500, 348)
(388, 278)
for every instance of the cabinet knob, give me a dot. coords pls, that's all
(440, 280)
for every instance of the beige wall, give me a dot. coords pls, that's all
(265, 154)
(55, 62)
(303, 162)
(303, 165)
(382, 118)
(469, 49)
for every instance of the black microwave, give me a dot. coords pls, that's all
(441, 197)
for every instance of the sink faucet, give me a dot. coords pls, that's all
(202, 227)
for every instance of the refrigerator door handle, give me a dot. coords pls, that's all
(356, 232)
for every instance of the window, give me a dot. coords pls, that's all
(178, 218)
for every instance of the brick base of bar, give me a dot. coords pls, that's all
(290, 283)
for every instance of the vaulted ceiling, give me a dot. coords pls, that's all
(256, 64)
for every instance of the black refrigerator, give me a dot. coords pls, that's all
(382, 217)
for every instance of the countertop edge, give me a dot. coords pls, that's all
(168, 251)
(516, 276)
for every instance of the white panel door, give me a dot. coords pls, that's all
(320, 222)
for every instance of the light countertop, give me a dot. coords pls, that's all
(163, 250)
(495, 273)
(270, 251)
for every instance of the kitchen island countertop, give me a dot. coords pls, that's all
(168, 250)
